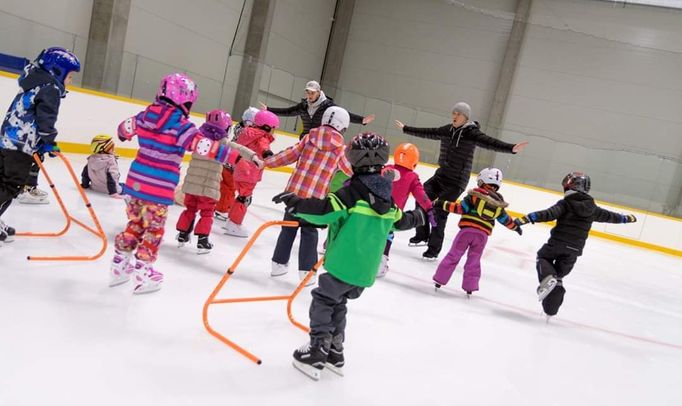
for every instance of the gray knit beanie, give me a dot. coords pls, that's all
(462, 108)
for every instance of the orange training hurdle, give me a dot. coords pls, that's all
(289, 298)
(99, 233)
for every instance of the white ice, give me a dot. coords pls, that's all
(69, 339)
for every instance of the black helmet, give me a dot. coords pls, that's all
(368, 153)
(577, 181)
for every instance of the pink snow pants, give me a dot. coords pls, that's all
(469, 238)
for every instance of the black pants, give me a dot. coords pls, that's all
(15, 167)
(557, 260)
(328, 309)
(307, 250)
(34, 172)
(446, 189)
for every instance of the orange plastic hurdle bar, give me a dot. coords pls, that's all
(98, 232)
(289, 298)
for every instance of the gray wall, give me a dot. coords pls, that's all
(598, 89)
(28, 27)
(295, 52)
(415, 59)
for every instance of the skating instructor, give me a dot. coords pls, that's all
(458, 141)
(312, 107)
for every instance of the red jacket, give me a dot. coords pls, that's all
(318, 155)
(405, 183)
(258, 141)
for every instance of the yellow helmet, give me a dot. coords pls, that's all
(102, 144)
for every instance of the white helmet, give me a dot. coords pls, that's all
(490, 176)
(249, 115)
(336, 117)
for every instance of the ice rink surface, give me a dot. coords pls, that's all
(69, 339)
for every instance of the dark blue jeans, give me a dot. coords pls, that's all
(307, 250)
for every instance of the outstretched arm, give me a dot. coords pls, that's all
(542, 216)
(434, 133)
(605, 216)
(286, 111)
(285, 157)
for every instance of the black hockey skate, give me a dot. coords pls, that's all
(548, 284)
(182, 238)
(418, 242)
(311, 360)
(430, 255)
(437, 285)
(335, 360)
(6, 232)
(203, 245)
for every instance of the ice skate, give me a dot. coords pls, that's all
(220, 216)
(278, 269)
(417, 242)
(468, 294)
(203, 245)
(6, 231)
(147, 280)
(121, 268)
(335, 359)
(182, 238)
(33, 195)
(430, 255)
(311, 360)
(548, 284)
(383, 267)
(235, 230)
(313, 279)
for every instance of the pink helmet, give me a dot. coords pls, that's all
(180, 89)
(266, 118)
(219, 118)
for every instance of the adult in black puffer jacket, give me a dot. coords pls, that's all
(312, 107)
(458, 141)
(574, 215)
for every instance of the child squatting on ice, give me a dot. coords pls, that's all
(165, 133)
(479, 210)
(29, 125)
(574, 215)
(363, 211)
(101, 173)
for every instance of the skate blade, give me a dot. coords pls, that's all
(430, 259)
(337, 370)
(308, 370)
(417, 244)
(143, 291)
(202, 251)
(543, 293)
(118, 282)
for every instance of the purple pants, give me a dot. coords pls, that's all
(469, 238)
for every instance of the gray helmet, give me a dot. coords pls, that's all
(577, 181)
(368, 153)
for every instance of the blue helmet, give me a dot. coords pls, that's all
(59, 62)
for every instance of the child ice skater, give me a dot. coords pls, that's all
(164, 133)
(227, 190)
(479, 209)
(574, 215)
(246, 174)
(360, 216)
(406, 183)
(101, 173)
(29, 125)
(317, 155)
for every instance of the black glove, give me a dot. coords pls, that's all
(629, 218)
(267, 154)
(420, 215)
(518, 229)
(288, 198)
(522, 221)
(438, 203)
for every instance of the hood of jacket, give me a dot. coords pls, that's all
(376, 190)
(326, 138)
(99, 162)
(35, 76)
(312, 107)
(493, 198)
(580, 203)
(213, 132)
(251, 134)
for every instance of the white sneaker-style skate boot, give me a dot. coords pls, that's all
(278, 269)
(313, 279)
(6, 231)
(548, 284)
(121, 268)
(235, 230)
(383, 267)
(147, 280)
(33, 195)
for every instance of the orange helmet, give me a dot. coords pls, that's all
(406, 155)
